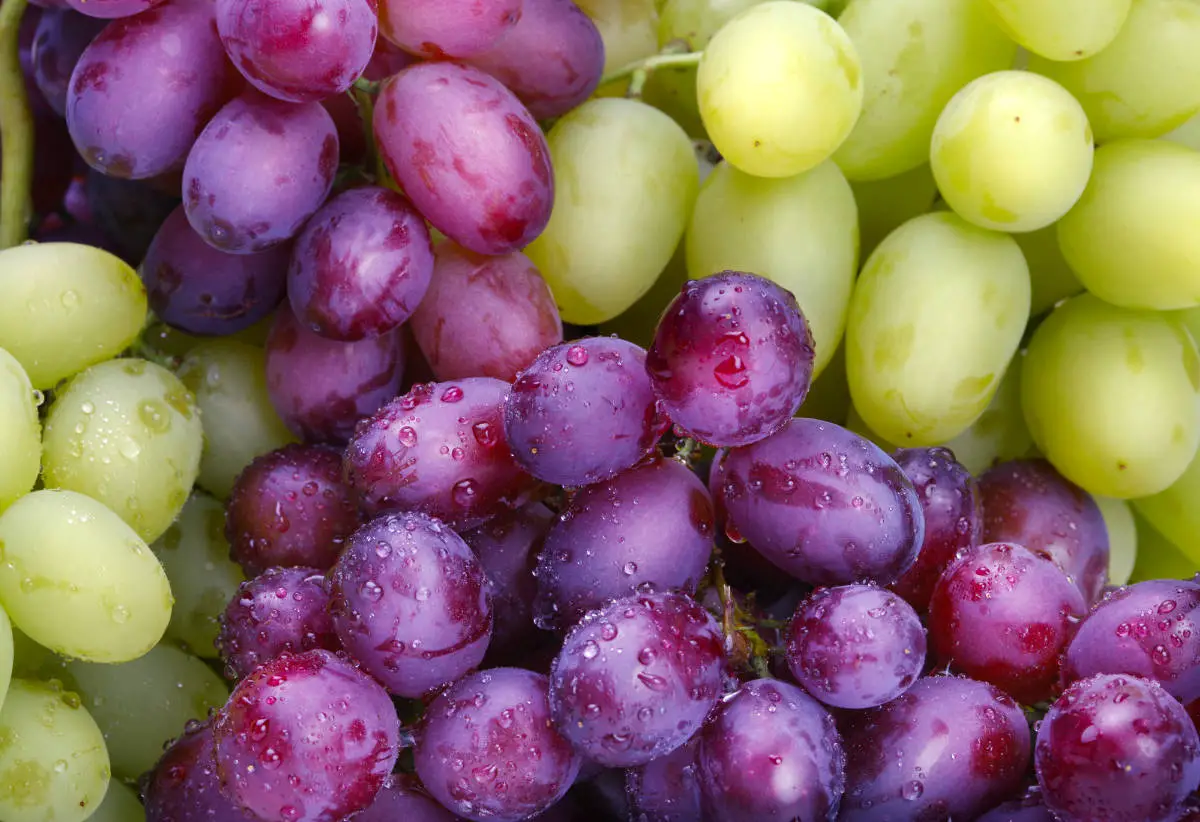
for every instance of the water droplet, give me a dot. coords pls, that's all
(590, 649)
(485, 434)
(731, 372)
(912, 790)
(119, 614)
(577, 356)
(452, 394)
(1160, 655)
(630, 569)
(464, 492)
(407, 436)
(646, 656)
(608, 632)
(371, 590)
(87, 408)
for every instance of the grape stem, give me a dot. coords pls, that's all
(639, 72)
(746, 648)
(16, 131)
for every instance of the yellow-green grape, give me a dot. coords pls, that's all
(65, 307)
(126, 432)
(1134, 236)
(120, 805)
(855, 422)
(1142, 84)
(53, 765)
(626, 179)
(1173, 512)
(1159, 558)
(916, 54)
(829, 397)
(170, 345)
(32, 661)
(1012, 151)
(1062, 29)
(7, 654)
(801, 232)
(935, 319)
(1052, 279)
(639, 322)
(629, 29)
(78, 580)
(885, 205)
(144, 703)
(779, 88)
(1187, 134)
(229, 381)
(1112, 396)
(1122, 538)
(20, 431)
(195, 555)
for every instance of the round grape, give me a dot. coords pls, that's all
(402, 797)
(667, 789)
(60, 39)
(447, 28)
(184, 787)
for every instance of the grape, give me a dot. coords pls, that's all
(667, 789)
(53, 764)
(799, 232)
(1020, 810)
(120, 804)
(61, 37)
(1172, 512)
(1122, 538)
(484, 316)
(45, 286)
(129, 212)
(632, 175)
(648, 528)
(771, 754)
(823, 504)
(1069, 30)
(447, 28)
(1118, 748)
(1051, 279)
(305, 738)
(361, 265)
(486, 748)
(583, 412)
(410, 602)
(948, 748)
(143, 90)
(829, 396)
(184, 787)
(1159, 557)
(126, 433)
(20, 432)
(637, 323)
(402, 797)
(999, 433)
(635, 679)
(112, 8)
(290, 507)
(1110, 396)
(258, 171)
(194, 287)
(7, 654)
(885, 205)
(321, 387)
(627, 28)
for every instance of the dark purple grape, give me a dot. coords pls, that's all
(290, 507)
(183, 787)
(1031, 504)
(822, 503)
(856, 646)
(306, 738)
(1117, 748)
(411, 603)
(948, 748)
(1019, 810)
(403, 798)
(128, 212)
(635, 679)
(112, 8)
(447, 28)
(61, 37)
(667, 789)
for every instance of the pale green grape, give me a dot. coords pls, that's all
(1122, 538)
(801, 232)
(626, 179)
(916, 54)
(639, 322)
(1112, 396)
(53, 765)
(171, 346)
(935, 319)
(20, 431)
(1173, 512)
(1062, 29)
(120, 805)
(32, 661)
(629, 29)
(1143, 83)
(229, 381)
(126, 432)
(7, 654)
(65, 307)
(855, 423)
(1052, 279)
(779, 88)
(1187, 134)
(1012, 151)
(829, 397)
(1134, 236)
(885, 205)
(1159, 558)
(78, 580)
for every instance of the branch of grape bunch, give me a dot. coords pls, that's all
(16, 131)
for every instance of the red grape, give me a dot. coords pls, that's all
(61, 37)
(112, 8)
(403, 798)
(447, 28)
(184, 787)
(667, 789)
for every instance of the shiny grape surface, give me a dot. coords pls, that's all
(184, 785)
(402, 797)
(60, 39)
(447, 28)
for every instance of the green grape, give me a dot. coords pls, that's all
(32, 661)
(66, 307)
(144, 703)
(1173, 511)
(1122, 538)
(1052, 279)
(916, 54)
(855, 423)
(801, 232)
(195, 555)
(78, 580)
(1141, 84)
(171, 346)
(626, 178)
(629, 29)
(638, 323)
(1112, 396)
(1159, 558)
(779, 88)
(7, 654)
(20, 431)
(53, 765)
(120, 805)
(885, 205)
(1187, 134)
(126, 433)
(935, 319)
(1012, 151)
(229, 381)
(829, 397)
(1062, 29)
(1134, 236)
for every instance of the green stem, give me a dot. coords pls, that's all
(640, 71)
(16, 131)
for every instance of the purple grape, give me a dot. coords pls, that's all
(1031, 504)
(732, 358)
(947, 748)
(447, 28)
(361, 265)
(1117, 748)
(583, 411)
(196, 288)
(290, 507)
(306, 738)
(1020, 810)
(143, 90)
(258, 171)
(822, 503)
(62, 35)
(467, 153)
(285, 610)
(647, 529)
(109, 9)
(856, 646)
(321, 388)
(635, 679)
(1150, 629)
(771, 754)
(667, 789)
(411, 603)
(183, 787)
(128, 212)
(403, 798)
(484, 316)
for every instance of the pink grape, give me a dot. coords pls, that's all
(447, 28)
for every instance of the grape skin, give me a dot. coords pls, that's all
(667, 789)
(402, 797)
(60, 40)
(111, 8)
(447, 28)
(184, 786)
